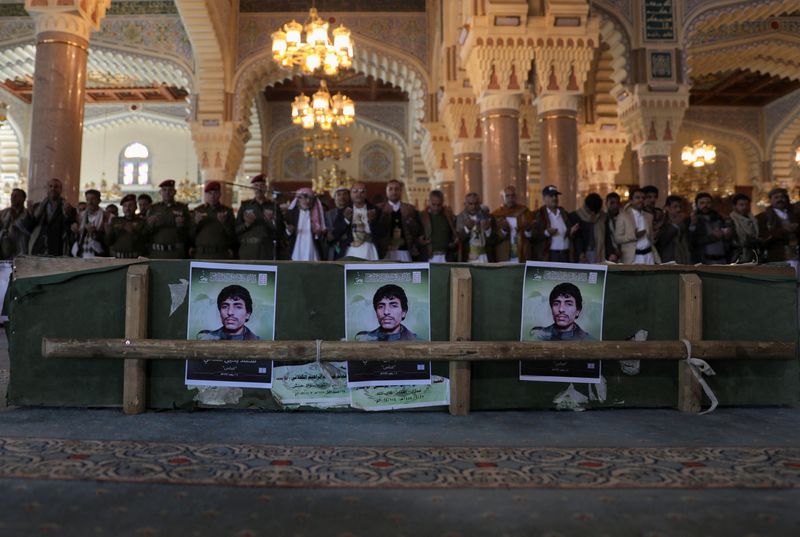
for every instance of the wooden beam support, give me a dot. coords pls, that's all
(690, 319)
(460, 330)
(135, 379)
(441, 351)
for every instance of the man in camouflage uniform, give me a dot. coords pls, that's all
(213, 225)
(127, 234)
(259, 224)
(168, 221)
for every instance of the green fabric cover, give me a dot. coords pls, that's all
(90, 304)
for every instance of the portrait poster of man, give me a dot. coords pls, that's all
(562, 302)
(231, 302)
(387, 302)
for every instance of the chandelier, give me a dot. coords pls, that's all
(317, 51)
(323, 110)
(331, 179)
(327, 145)
(696, 180)
(698, 154)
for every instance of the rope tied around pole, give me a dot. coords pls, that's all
(699, 368)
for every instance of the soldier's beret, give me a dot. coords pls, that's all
(212, 185)
(129, 197)
(260, 178)
(169, 183)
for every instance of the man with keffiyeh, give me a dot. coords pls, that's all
(305, 227)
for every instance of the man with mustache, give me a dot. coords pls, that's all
(391, 307)
(235, 308)
(566, 304)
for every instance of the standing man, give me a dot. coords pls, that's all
(212, 229)
(651, 206)
(474, 230)
(634, 232)
(590, 239)
(91, 228)
(13, 234)
(333, 243)
(402, 225)
(168, 221)
(778, 227)
(552, 239)
(127, 234)
(51, 221)
(358, 227)
(673, 241)
(514, 229)
(305, 227)
(746, 244)
(259, 224)
(439, 237)
(709, 233)
(613, 204)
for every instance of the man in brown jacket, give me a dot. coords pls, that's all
(514, 229)
(778, 227)
(553, 230)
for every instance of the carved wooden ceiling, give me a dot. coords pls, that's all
(23, 90)
(739, 87)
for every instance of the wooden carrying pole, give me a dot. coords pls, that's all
(690, 319)
(460, 330)
(473, 351)
(136, 293)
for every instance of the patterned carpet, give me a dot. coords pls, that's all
(243, 465)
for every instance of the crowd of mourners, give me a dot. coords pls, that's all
(345, 224)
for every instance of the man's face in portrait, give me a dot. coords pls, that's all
(212, 197)
(565, 311)
(233, 314)
(390, 314)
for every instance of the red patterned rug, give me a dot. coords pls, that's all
(398, 467)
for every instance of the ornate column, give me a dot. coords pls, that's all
(460, 115)
(468, 168)
(500, 122)
(220, 149)
(652, 120)
(600, 154)
(59, 91)
(562, 66)
(437, 153)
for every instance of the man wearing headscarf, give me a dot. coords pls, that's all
(305, 227)
(91, 228)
